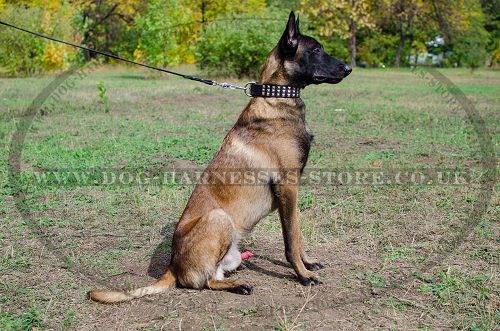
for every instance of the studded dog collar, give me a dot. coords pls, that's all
(271, 91)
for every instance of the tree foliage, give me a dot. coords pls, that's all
(106, 24)
(491, 10)
(340, 17)
(23, 54)
(165, 34)
(401, 19)
(469, 44)
(233, 46)
(215, 33)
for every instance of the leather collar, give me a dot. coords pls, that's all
(272, 91)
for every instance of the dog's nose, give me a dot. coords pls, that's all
(347, 69)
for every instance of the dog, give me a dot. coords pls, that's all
(271, 133)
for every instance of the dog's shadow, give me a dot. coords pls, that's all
(161, 255)
(254, 267)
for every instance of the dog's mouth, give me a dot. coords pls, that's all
(318, 79)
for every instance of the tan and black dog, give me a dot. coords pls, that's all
(271, 133)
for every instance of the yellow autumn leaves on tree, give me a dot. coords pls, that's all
(338, 16)
(166, 32)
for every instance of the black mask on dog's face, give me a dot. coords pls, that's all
(305, 60)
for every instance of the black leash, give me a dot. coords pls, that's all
(251, 89)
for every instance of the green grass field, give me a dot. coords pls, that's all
(384, 246)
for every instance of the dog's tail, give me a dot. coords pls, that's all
(112, 296)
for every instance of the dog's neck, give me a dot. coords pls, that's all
(273, 71)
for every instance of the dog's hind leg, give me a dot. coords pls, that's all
(205, 250)
(229, 285)
(212, 251)
(231, 260)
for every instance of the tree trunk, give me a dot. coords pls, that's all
(352, 44)
(203, 7)
(397, 61)
(411, 47)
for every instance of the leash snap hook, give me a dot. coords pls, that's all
(229, 86)
(248, 87)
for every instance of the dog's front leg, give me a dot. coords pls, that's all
(310, 264)
(287, 196)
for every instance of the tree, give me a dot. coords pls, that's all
(169, 29)
(491, 10)
(471, 43)
(233, 47)
(106, 23)
(166, 31)
(344, 17)
(453, 17)
(399, 17)
(462, 24)
(24, 54)
(205, 11)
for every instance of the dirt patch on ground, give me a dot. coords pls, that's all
(278, 299)
(386, 249)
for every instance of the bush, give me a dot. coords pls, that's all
(165, 34)
(378, 49)
(25, 54)
(238, 45)
(21, 53)
(470, 48)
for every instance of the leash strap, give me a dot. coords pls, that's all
(251, 89)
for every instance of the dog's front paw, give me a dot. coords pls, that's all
(309, 280)
(313, 266)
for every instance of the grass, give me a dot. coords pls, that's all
(467, 296)
(28, 321)
(372, 236)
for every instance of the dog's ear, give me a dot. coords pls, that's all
(290, 38)
(297, 24)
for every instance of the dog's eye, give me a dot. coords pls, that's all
(317, 50)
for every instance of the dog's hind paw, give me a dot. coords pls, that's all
(243, 289)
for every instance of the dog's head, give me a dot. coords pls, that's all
(303, 59)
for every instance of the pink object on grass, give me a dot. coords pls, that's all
(246, 255)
